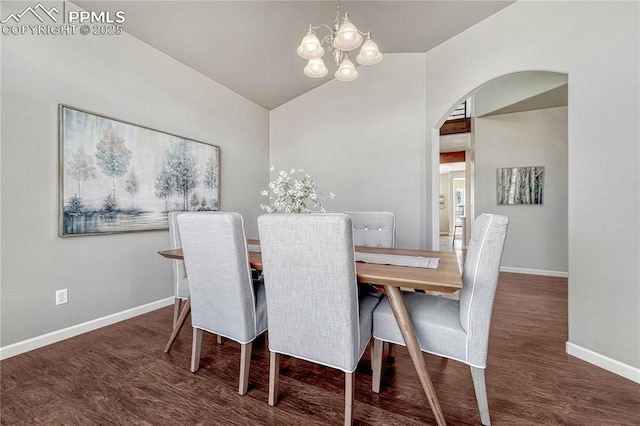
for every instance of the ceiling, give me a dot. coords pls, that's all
(250, 46)
(557, 97)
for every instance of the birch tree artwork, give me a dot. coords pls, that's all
(520, 185)
(103, 159)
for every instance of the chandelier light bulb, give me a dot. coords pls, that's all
(315, 68)
(347, 71)
(348, 36)
(310, 47)
(369, 53)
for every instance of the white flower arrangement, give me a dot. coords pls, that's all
(290, 193)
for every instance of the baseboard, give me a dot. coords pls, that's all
(609, 364)
(75, 330)
(560, 274)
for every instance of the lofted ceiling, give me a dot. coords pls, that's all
(250, 46)
(553, 98)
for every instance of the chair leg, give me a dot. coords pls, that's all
(274, 372)
(184, 313)
(349, 390)
(455, 227)
(376, 364)
(195, 349)
(392, 351)
(219, 339)
(245, 363)
(477, 374)
(176, 311)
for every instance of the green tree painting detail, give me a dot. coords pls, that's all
(210, 179)
(133, 184)
(112, 156)
(80, 168)
(183, 173)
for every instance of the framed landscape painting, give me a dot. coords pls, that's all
(120, 177)
(520, 185)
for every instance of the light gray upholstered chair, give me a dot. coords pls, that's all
(373, 229)
(224, 298)
(455, 329)
(181, 286)
(315, 313)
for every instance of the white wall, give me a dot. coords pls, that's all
(362, 140)
(597, 45)
(537, 239)
(121, 77)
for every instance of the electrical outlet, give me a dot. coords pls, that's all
(61, 297)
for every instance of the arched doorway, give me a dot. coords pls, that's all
(518, 120)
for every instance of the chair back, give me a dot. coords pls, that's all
(311, 287)
(181, 285)
(479, 282)
(217, 263)
(373, 229)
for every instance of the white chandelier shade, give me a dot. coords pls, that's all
(347, 71)
(348, 37)
(316, 68)
(369, 53)
(342, 38)
(310, 48)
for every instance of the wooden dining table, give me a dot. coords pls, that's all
(390, 279)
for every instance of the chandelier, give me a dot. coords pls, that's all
(342, 38)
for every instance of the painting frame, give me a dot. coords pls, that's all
(102, 159)
(520, 185)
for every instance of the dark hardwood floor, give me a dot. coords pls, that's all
(119, 375)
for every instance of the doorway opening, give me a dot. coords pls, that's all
(453, 197)
(455, 144)
(517, 119)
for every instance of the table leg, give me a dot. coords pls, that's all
(396, 301)
(186, 310)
